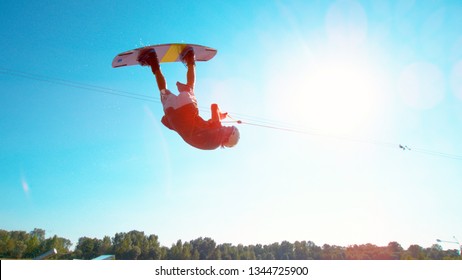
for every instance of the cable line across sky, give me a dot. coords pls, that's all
(241, 118)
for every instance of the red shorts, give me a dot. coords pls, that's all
(170, 100)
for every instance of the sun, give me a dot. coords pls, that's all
(328, 88)
(342, 94)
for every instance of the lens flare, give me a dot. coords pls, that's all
(456, 80)
(25, 185)
(346, 23)
(421, 85)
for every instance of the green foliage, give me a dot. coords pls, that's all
(135, 245)
(333, 252)
(23, 245)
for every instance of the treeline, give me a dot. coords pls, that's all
(135, 245)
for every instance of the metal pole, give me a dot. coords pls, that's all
(47, 254)
(453, 242)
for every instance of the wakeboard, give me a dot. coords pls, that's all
(165, 53)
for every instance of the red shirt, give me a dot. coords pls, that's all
(194, 130)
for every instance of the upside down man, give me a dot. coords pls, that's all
(181, 111)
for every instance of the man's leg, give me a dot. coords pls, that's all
(160, 79)
(188, 58)
(191, 75)
(149, 57)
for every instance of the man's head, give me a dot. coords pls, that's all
(231, 138)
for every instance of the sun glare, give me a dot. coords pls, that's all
(334, 92)
(341, 94)
(333, 84)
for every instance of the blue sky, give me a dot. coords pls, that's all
(358, 77)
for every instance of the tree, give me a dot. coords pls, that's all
(176, 251)
(136, 245)
(334, 252)
(216, 254)
(163, 253)
(227, 252)
(414, 252)
(300, 250)
(33, 245)
(34, 242)
(18, 249)
(259, 251)
(133, 253)
(364, 252)
(62, 245)
(121, 244)
(451, 255)
(204, 246)
(105, 247)
(153, 250)
(314, 251)
(271, 251)
(245, 252)
(38, 233)
(285, 251)
(395, 250)
(88, 248)
(15, 245)
(307, 251)
(4, 237)
(435, 252)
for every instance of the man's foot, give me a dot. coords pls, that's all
(149, 57)
(188, 57)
